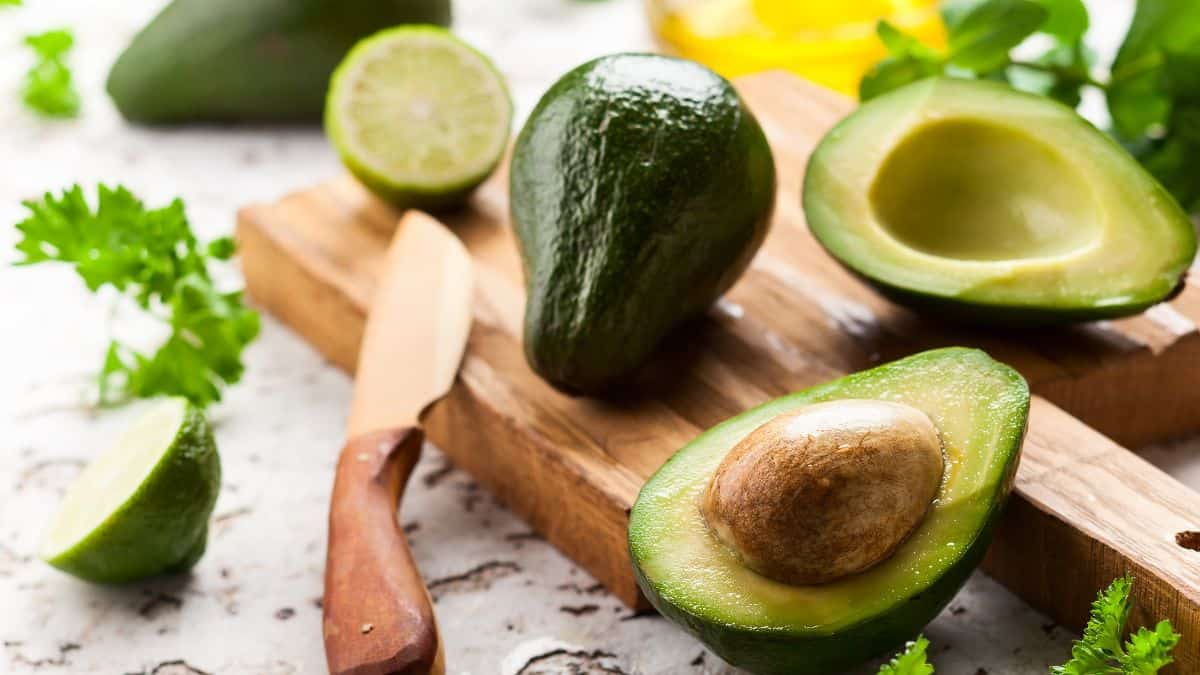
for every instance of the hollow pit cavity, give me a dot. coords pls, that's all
(971, 190)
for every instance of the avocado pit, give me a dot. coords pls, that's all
(826, 491)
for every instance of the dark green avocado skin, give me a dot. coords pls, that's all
(641, 187)
(766, 652)
(953, 311)
(248, 60)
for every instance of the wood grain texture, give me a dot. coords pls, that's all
(1087, 509)
(377, 616)
(573, 467)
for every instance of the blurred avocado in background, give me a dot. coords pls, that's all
(248, 60)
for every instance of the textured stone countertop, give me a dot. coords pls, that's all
(507, 601)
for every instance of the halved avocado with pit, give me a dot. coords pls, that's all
(979, 408)
(990, 204)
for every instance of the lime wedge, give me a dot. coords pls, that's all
(141, 507)
(418, 116)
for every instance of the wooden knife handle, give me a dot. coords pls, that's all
(378, 615)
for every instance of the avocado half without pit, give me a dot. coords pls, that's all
(984, 203)
(827, 527)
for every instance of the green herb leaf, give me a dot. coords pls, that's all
(954, 11)
(1060, 73)
(1154, 96)
(1139, 96)
(1110, 611)
(151, 256)
(909, 61)
(893, 73)
(1063, 70)
(1147, 651)
(51, 44)
(222, 249)
(48, 88)
(1100, 650)
(912, 661)
(900, 43)
(1066, 20)
(10, 3)
(1171, 161)
(981, 40)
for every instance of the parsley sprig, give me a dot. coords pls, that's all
(1099, 652)
(912, 661)
(1152, 89)
(48, 88)
(152, 257)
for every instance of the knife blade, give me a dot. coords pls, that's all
(378, 617)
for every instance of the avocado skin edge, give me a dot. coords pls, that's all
(773, 653)
(974, 313)
(641, 187)
(248, 60)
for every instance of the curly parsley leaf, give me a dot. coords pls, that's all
(912, 661)
(1147, 651)
(152, 257)
(1100, 650)
(48, 88)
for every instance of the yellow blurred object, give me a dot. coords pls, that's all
(831, 42)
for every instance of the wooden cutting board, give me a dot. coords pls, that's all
(1085, 511)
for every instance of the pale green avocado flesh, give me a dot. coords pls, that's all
(980, 408)
(976, 199)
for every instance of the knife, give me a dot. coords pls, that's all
(378, 618)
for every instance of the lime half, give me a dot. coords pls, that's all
(418, 116)
(141, 507)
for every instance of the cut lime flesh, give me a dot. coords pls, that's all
(419, 116)
(142, 506)
(113, 476)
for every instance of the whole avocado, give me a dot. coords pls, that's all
(248, 60)
(641, 187)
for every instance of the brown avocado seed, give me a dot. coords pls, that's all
(825, 491)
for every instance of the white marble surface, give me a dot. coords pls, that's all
(508, 602)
